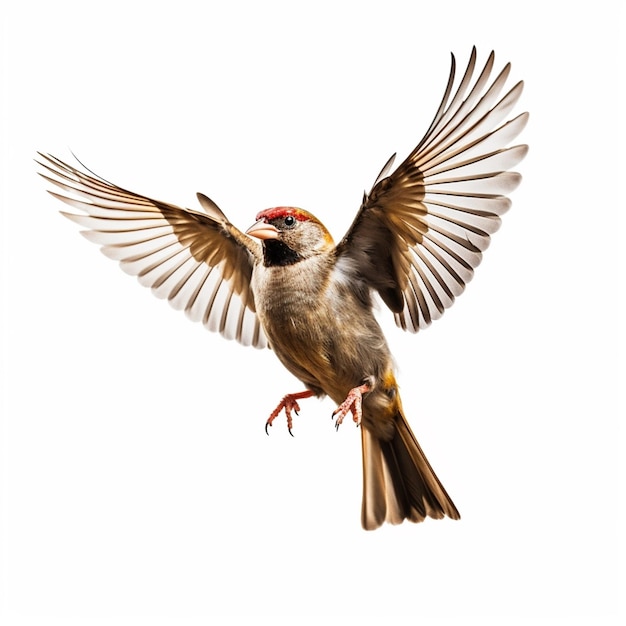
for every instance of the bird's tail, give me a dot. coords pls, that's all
(398, 481)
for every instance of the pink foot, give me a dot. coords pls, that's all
(289, 403)
(352, 403)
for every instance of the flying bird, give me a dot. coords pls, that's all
(284, 284)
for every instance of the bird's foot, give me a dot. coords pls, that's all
(289, 403)
(352, 403)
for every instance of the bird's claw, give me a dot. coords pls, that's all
(289, 403)
(353, 403)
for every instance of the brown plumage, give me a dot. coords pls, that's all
(415, 242)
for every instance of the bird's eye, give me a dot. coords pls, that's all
(290, 220)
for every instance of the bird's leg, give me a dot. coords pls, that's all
(289, 403)
(351, 403)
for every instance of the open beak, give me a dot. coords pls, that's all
(263, 230)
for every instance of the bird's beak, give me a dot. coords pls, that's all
(263, 230)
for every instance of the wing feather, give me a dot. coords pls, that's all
(199, 262)
(421, 230)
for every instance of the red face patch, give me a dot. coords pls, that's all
(283, 211)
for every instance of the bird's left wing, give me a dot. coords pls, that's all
(199, 261)
(421, 231)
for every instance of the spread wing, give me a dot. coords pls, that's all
(421, 231)
(199, 261)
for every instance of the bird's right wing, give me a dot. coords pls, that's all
(199, 261)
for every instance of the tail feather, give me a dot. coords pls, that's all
(398, 481)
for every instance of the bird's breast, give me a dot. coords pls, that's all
(292, 302)
(318, 327)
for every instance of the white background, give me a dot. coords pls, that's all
(138, 485)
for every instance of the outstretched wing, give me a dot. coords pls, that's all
(199, 261)
(421, 231)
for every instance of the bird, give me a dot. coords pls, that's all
(285, 284)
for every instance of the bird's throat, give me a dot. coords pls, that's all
(277, 253)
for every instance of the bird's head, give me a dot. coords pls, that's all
(290, 235)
